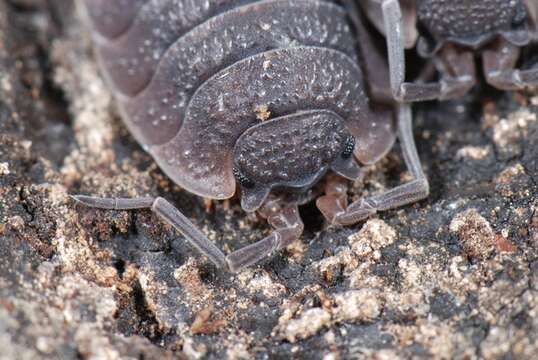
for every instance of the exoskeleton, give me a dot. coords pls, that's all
(451, 33)
(257, 97)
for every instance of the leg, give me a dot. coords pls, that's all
(457, 67)
(458, 73)
(412, 191)
(392, 16)
(374, 62)
(373, 11)
(335, 199)
(169, 214)
(288, 228)
(286, 221)
(499, 66)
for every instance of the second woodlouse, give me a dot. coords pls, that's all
(452, 34)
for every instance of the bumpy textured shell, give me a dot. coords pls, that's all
(291, 151)
(192, 75)
(471, 23)
(320, 136)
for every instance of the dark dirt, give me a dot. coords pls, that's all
(454, 276)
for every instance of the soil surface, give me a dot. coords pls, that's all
(453, 276)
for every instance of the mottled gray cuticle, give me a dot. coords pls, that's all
(290, 150)
(469, 21)
(157, 114)
(131, 59)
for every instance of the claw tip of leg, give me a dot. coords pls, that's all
(80, 199)
(74, 197)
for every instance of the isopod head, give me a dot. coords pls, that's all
(292, 151)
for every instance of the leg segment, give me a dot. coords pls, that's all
(499, 66)
(286, 221)
(114, 203)
(169, 214)
(392, 16)
(373, 61)
(457, 68)
(416, 189)
(458, 76)
(334, 201)
(288, 228)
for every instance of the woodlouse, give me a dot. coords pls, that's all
(452, 33)
(266, 94)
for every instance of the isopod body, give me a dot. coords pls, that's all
(267, 94)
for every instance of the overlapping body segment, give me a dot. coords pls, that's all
(467, 18)
(157, 113)
(283, 81)
(132, 58)
(111, 18)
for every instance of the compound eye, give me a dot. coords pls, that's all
(242, 179)
(349, 146)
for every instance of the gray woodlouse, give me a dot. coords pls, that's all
(266, 94)
(451, 33)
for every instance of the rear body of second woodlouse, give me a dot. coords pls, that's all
(269, 95)
(452, 34)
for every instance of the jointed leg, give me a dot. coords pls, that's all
(335, 199)
(457, 68)
(457, 78)
(169, 214)
(392, 16)
(499, 66)
(374, 62)
(373, 11)
(416, 189)
(288, 228)
(286, 221)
